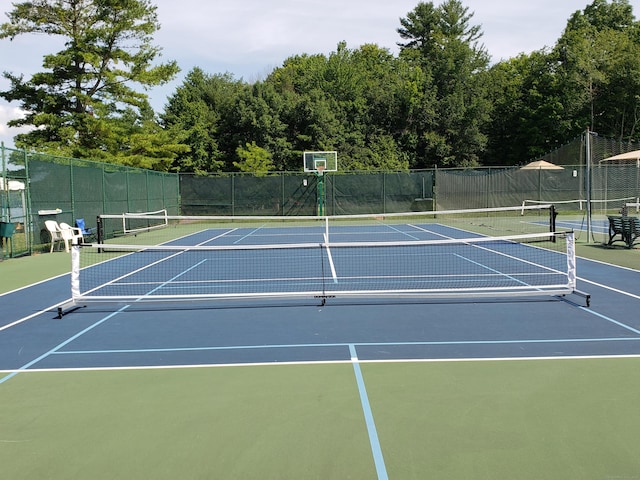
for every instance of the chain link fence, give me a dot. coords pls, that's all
(14, 205)
(38, 187)
(297, 193)
(46, 187)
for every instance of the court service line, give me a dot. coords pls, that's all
(498, 272)
(604, 317)
(355, 344)
(61, 345)
(247, 235)
(330, 258)
(65, 302)
(153, 264)
(609, 319)
(368, 416)
(606, 287)
(33, 315)
(99, 322)
(401, 232)
(323, 362)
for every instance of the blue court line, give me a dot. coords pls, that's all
(361, 344)
(66, 342)
(368, 416)
(247, 235)
(55, 349)
(577, 225)
(609, 319)
(403, 233)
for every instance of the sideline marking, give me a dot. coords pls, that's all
(368, 416)
(606, 287)
(319, 362)
(29, 317)
(359, 344)
(26, 366)
(330, 258)
(609, 319)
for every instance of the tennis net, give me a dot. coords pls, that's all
(610, 205)
(214, 266)
(142, 229)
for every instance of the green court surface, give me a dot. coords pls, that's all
(259, 422)
(533, 419)
(528, 419)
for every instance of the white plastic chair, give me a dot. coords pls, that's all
(56, 233)
(70, 235)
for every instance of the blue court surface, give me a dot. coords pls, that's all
(299, 330)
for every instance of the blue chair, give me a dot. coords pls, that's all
(89, 234)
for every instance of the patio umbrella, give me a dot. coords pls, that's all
(541, 165)
(625, 157)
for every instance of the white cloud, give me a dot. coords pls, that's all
(251, 37)
(8, 113)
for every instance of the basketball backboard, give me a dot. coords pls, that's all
(320, 162)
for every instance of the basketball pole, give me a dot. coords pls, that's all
(319, 163)
(320, 190)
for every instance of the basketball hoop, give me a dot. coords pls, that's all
(313, 160)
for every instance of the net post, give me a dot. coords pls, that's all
(75, 282)
(75, 271)
(100, 229)
(571, 268)
(552, 220)
(326, 229)
(323, 296)
(571, 260)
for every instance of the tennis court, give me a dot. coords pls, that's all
(401, 349)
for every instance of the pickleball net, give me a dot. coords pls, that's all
(151, 229)
(312, 258)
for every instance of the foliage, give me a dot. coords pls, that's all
(529, 114)
(196, 109)
(445, 45)
(599, 55)
(439, 102)
(590, 79)
(82, 102)
(254, 159)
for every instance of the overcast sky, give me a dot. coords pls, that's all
(249, 38)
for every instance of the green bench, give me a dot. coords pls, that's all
(626, 228)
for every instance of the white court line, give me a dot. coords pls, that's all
(65, 302)
(29, 317)
(321, 362)
(330, 258)
(606, 287)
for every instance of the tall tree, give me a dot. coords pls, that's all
(198, 108)
(85, 93)
(529, 116)
(599, 58)
(446, 46)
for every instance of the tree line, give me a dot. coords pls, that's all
(438, 102)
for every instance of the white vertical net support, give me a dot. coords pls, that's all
(571, 260)
(75, 272)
